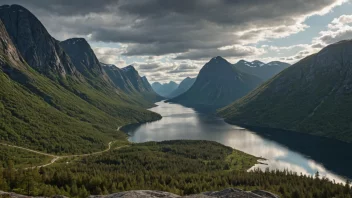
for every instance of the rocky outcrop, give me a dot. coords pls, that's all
(137, 194)
(233, 192)
(227, 193)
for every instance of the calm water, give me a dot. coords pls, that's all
(283, 150)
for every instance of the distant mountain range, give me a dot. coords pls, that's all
(218, 84)
(260, 69)
(312, 96)
(164, 89)
(55, 96)
(183, 87)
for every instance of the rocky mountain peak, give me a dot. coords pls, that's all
(37, 47)
(218, 67)
(257, 62)
(218, 60)
(82, 57)
(129, 68)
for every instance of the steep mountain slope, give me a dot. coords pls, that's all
(35, 44)
(183, 87)
(87, 64)
(260, 69)
(218, 84)
(129, 80)
(164, 89)
(106, 97)
(102, 108)
(85, 61)
(312, 96)
(39, 114)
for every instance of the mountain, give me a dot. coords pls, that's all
(156, 85)
(129, 80)
(260, 69)
(87, 64)
(35, 44)
(84, 59)
(164, 89)
(49, 105)
(183, 87)
(218, 84)
(312, 96)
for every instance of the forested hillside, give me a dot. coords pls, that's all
(49, 105)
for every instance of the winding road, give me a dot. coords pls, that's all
(57, 157)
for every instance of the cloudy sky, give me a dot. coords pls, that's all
(172, 39)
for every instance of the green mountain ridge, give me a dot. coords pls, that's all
(312, 96)
(55, 110)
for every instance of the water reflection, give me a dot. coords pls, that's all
(283, 150)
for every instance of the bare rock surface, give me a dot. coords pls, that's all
(227, 193)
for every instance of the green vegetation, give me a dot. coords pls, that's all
(181, 167)
(19, 158)
(311, 96)
(39, 113)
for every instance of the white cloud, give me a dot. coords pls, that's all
(339, 29)
(110, 55)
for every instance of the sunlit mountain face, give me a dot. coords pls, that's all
(169, 41)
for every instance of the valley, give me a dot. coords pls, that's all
(96, 112)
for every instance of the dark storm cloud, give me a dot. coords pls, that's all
(158, 27)
(67, 7)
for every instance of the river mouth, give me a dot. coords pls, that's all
(298, 152)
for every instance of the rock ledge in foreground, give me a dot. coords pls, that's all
(227, 193)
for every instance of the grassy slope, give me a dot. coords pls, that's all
(55, 120)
